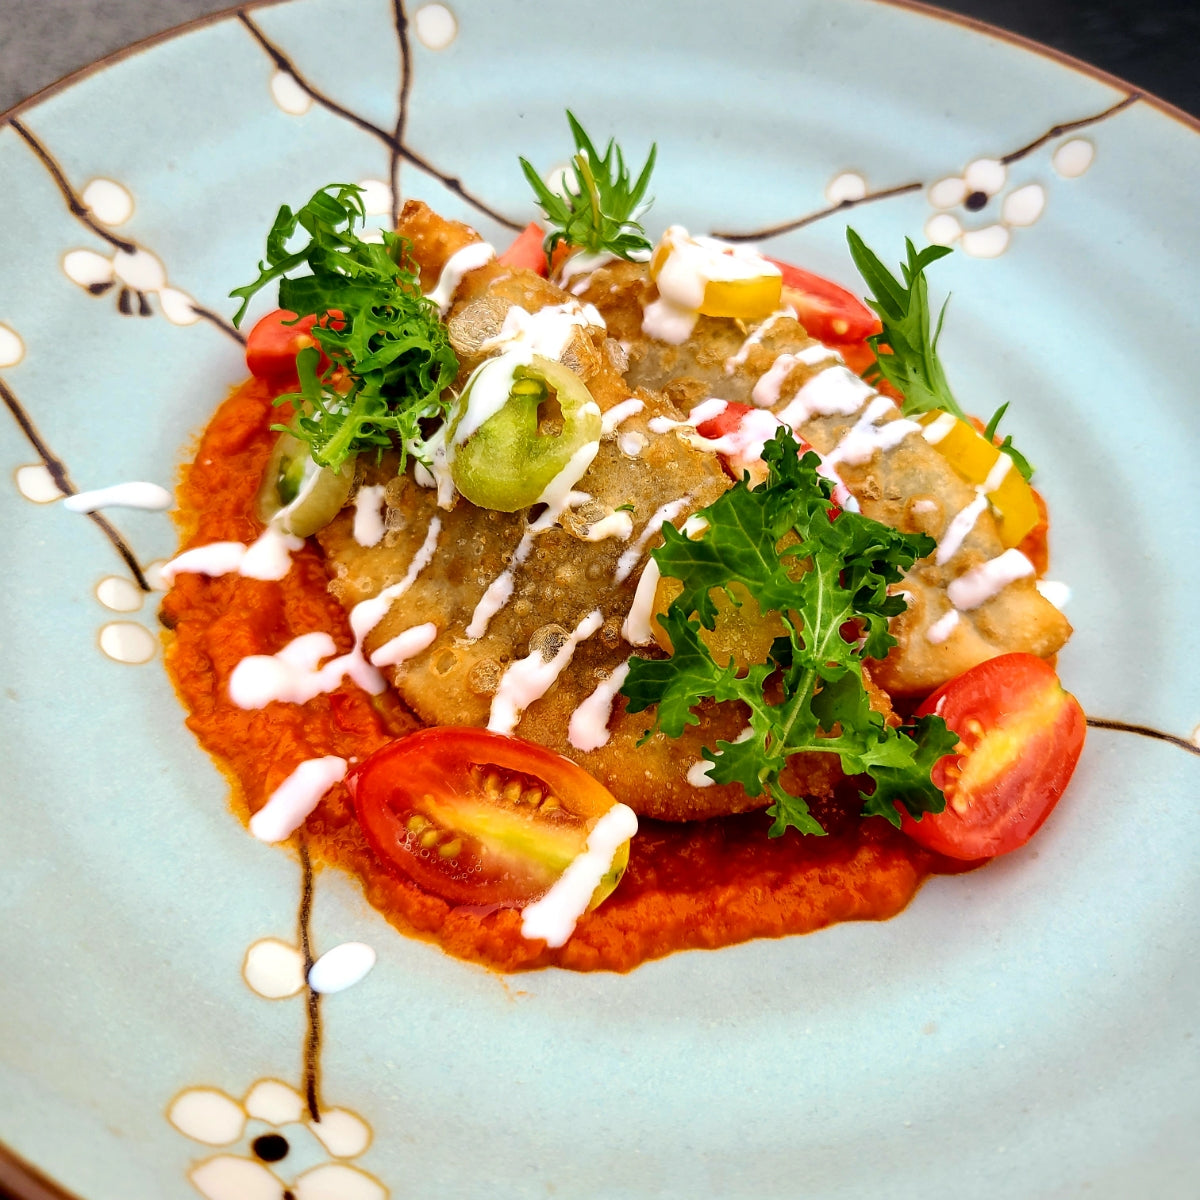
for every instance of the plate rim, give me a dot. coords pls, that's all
(920, 7)
(21, 1179)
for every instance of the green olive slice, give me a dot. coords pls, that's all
(547, 417)
(298, 496)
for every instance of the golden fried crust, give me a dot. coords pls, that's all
(911, 487)
(567, 577)
(564, 579)
(433, 239)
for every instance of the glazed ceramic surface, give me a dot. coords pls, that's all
(1023, 1031)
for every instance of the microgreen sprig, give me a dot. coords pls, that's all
(597, 208)
(906, 349)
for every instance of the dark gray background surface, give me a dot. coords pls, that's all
(1151, 43)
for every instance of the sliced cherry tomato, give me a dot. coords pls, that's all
(526, 250)
(274, 342)
(859, 357)
(726, 422)
(478, 817)
(829, 312)
(1020, 737)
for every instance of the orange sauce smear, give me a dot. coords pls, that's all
(702, 885)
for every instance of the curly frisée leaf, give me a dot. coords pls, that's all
(826, 578)
(390, 358)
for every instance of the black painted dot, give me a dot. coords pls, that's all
(976, 200)
(270, 1147)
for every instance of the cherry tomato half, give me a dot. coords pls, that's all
(1020, 737)
(526, 250)
(727, 421)
(829, 312)
(273, 343)
(478, 817)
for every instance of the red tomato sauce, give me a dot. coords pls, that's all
(701, 885)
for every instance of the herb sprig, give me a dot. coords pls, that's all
(390, 358)
(906, 349)
(599, 212)
(808, 696)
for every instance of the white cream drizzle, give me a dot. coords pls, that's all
(148, 496)
(631, 444)
(531, 677)
(664, 513)
(988, 579)
(1058, 593)
(547, 332)
(959, 527)
(580, 267)
(964, 521)
(368, 515)
(756, 336)
(834, 392)
(500, 590)
(667, 322)
(689, 266)
(635, 629)
(616, 524)
(293, 674)
(692, 263)
(769, 386)
(943, 627)
(699, 774)
(405, 645)
(469, 258)
(269, 557)
(553, 917)
(939, 428)
(620, 413)
(867, 437)
(588, 728)
(487, 391)
(288, 806)
(714, 406)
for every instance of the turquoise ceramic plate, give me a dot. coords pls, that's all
(1025, 1031)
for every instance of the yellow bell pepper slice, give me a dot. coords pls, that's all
(715, 278)
(974, 458)
(747, 299)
